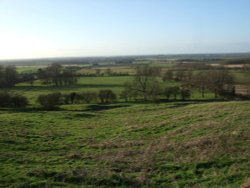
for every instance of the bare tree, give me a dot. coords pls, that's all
(57, 75)
(201, 81)
(107, 96)
(173, 91)
(145, 82)
(168, 75)
(220, 81)
(185, 93)
(8, 76)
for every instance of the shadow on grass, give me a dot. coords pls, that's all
(90, 108)
(84, 115)
(26, 110)
(100, 107)
(37, 109)
(182, 103)
(53, 88)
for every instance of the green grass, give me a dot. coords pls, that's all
(84, 84)
(116, 83)
(242, 77)
(177, 144)
(29, 69)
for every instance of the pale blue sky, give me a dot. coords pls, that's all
(53, 28)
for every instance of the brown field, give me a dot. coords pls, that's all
(242, 89)
(115, 69)
(231, 65)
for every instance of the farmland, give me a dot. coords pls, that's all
(198, 142)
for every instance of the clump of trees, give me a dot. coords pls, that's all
(8, 76)
(50, 101)
(172, 92)
(107, 96)
(144, 84)
(10, 100)
(175, 92)
(57, 75)
(185, 93)
(54, 100)
(168, 75)
(147, 87)
(220, 82)
(82, 97)
(27, 77)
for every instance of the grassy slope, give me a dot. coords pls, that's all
(159, 145)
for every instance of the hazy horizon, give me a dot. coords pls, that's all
(44, 29)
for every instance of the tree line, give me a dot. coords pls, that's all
(53, 74)
(146, 84)
(12, 100)
(53, 100)
(57, 75)
(8, 76)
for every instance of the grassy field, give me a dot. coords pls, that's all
(194, 143)
(89, 84)
(242, 77)
(179, 144)
(29, 69)
(84, 84)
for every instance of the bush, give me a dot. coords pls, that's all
(125, 94)
(107, 96)
(66, 99)
(19, 101)
(185, 94)
(172, 92)
(73, 97)
(49, 101)
(83, 97)
(89, 97)
(5, 99)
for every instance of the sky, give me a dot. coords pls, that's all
(79, 28)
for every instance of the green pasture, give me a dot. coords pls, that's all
(116, 83)
(176, 144)
(242, 77)
(84, 84)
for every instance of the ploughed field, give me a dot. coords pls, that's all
(174, 144)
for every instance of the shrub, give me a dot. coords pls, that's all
(73, 97)
(66, 98)
(125, 94)
(5, 99)
(49, 101)
(185, 94)
(89, 97)
(169, 75)
(83, 97)
(19, 101)
(107, 96)
(172, 91)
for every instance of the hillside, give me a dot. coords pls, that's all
(177, 144)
